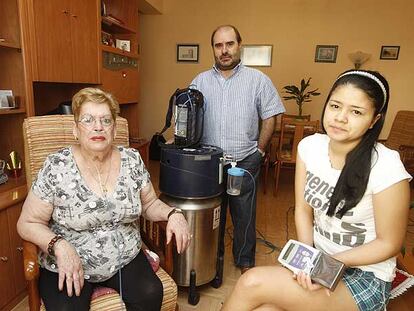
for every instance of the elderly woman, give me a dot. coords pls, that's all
(82, 212)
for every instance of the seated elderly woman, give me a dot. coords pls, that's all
(82, 212)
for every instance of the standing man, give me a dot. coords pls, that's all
(235, 98)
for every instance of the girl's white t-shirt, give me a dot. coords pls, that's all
(357, 226)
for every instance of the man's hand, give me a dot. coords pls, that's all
(263, 153)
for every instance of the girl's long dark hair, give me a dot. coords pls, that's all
(353, 180)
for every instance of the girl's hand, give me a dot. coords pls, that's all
(305, 282)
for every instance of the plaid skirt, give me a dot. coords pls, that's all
(369, 292)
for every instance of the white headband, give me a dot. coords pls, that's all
(372, 77)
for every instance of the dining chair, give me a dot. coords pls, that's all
(44, 135)
(286, 152)
(273, 145)
(305, 117)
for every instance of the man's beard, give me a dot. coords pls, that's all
(233, 64)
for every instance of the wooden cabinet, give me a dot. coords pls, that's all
(122, 82)
(6, 265)
(16, 248)
(42, 44)
(66, 40)
(12, 281)
(12, 77)
(120, 67)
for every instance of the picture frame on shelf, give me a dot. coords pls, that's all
(103, 9)
(7, 100)
(390, 52)
(326, 53)
(124, 45)
(187, 53)
(107, 39)
(257, 55)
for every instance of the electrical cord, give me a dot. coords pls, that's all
(287, 221)
(262, 239)
(267, 243)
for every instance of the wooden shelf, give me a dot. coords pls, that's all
(12, 110)
(113, 27)
(10, 45)
(111, 49)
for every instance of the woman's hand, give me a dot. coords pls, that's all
(178, 226)
(70, 268)
(305, 282)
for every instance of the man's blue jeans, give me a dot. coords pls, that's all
(243, 213)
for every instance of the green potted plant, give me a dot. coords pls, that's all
(299, 93)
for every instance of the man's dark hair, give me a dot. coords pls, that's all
(238, 37)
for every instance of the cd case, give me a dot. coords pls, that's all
(322, 268)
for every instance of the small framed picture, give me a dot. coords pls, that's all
(326, 53)
(257, 55)
(107, 39)
(7, 100)
(187, 53)
(390, 52)
(124, 45)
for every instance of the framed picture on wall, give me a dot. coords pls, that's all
(326, 53)
(390, 52)
(187, 53)
(257, 55)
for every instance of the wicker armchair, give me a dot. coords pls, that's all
(401, 138)
(47, 134)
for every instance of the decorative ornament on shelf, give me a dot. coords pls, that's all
(299, 94)
(358, 58)
(14, 165)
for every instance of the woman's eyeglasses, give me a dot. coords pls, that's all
(88, 120)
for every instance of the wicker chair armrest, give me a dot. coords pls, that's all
(153, 235)
(168, 249)
(31, 266)
(169, 301)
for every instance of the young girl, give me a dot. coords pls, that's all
(352, 201)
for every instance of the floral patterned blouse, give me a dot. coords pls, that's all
(103, 229)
